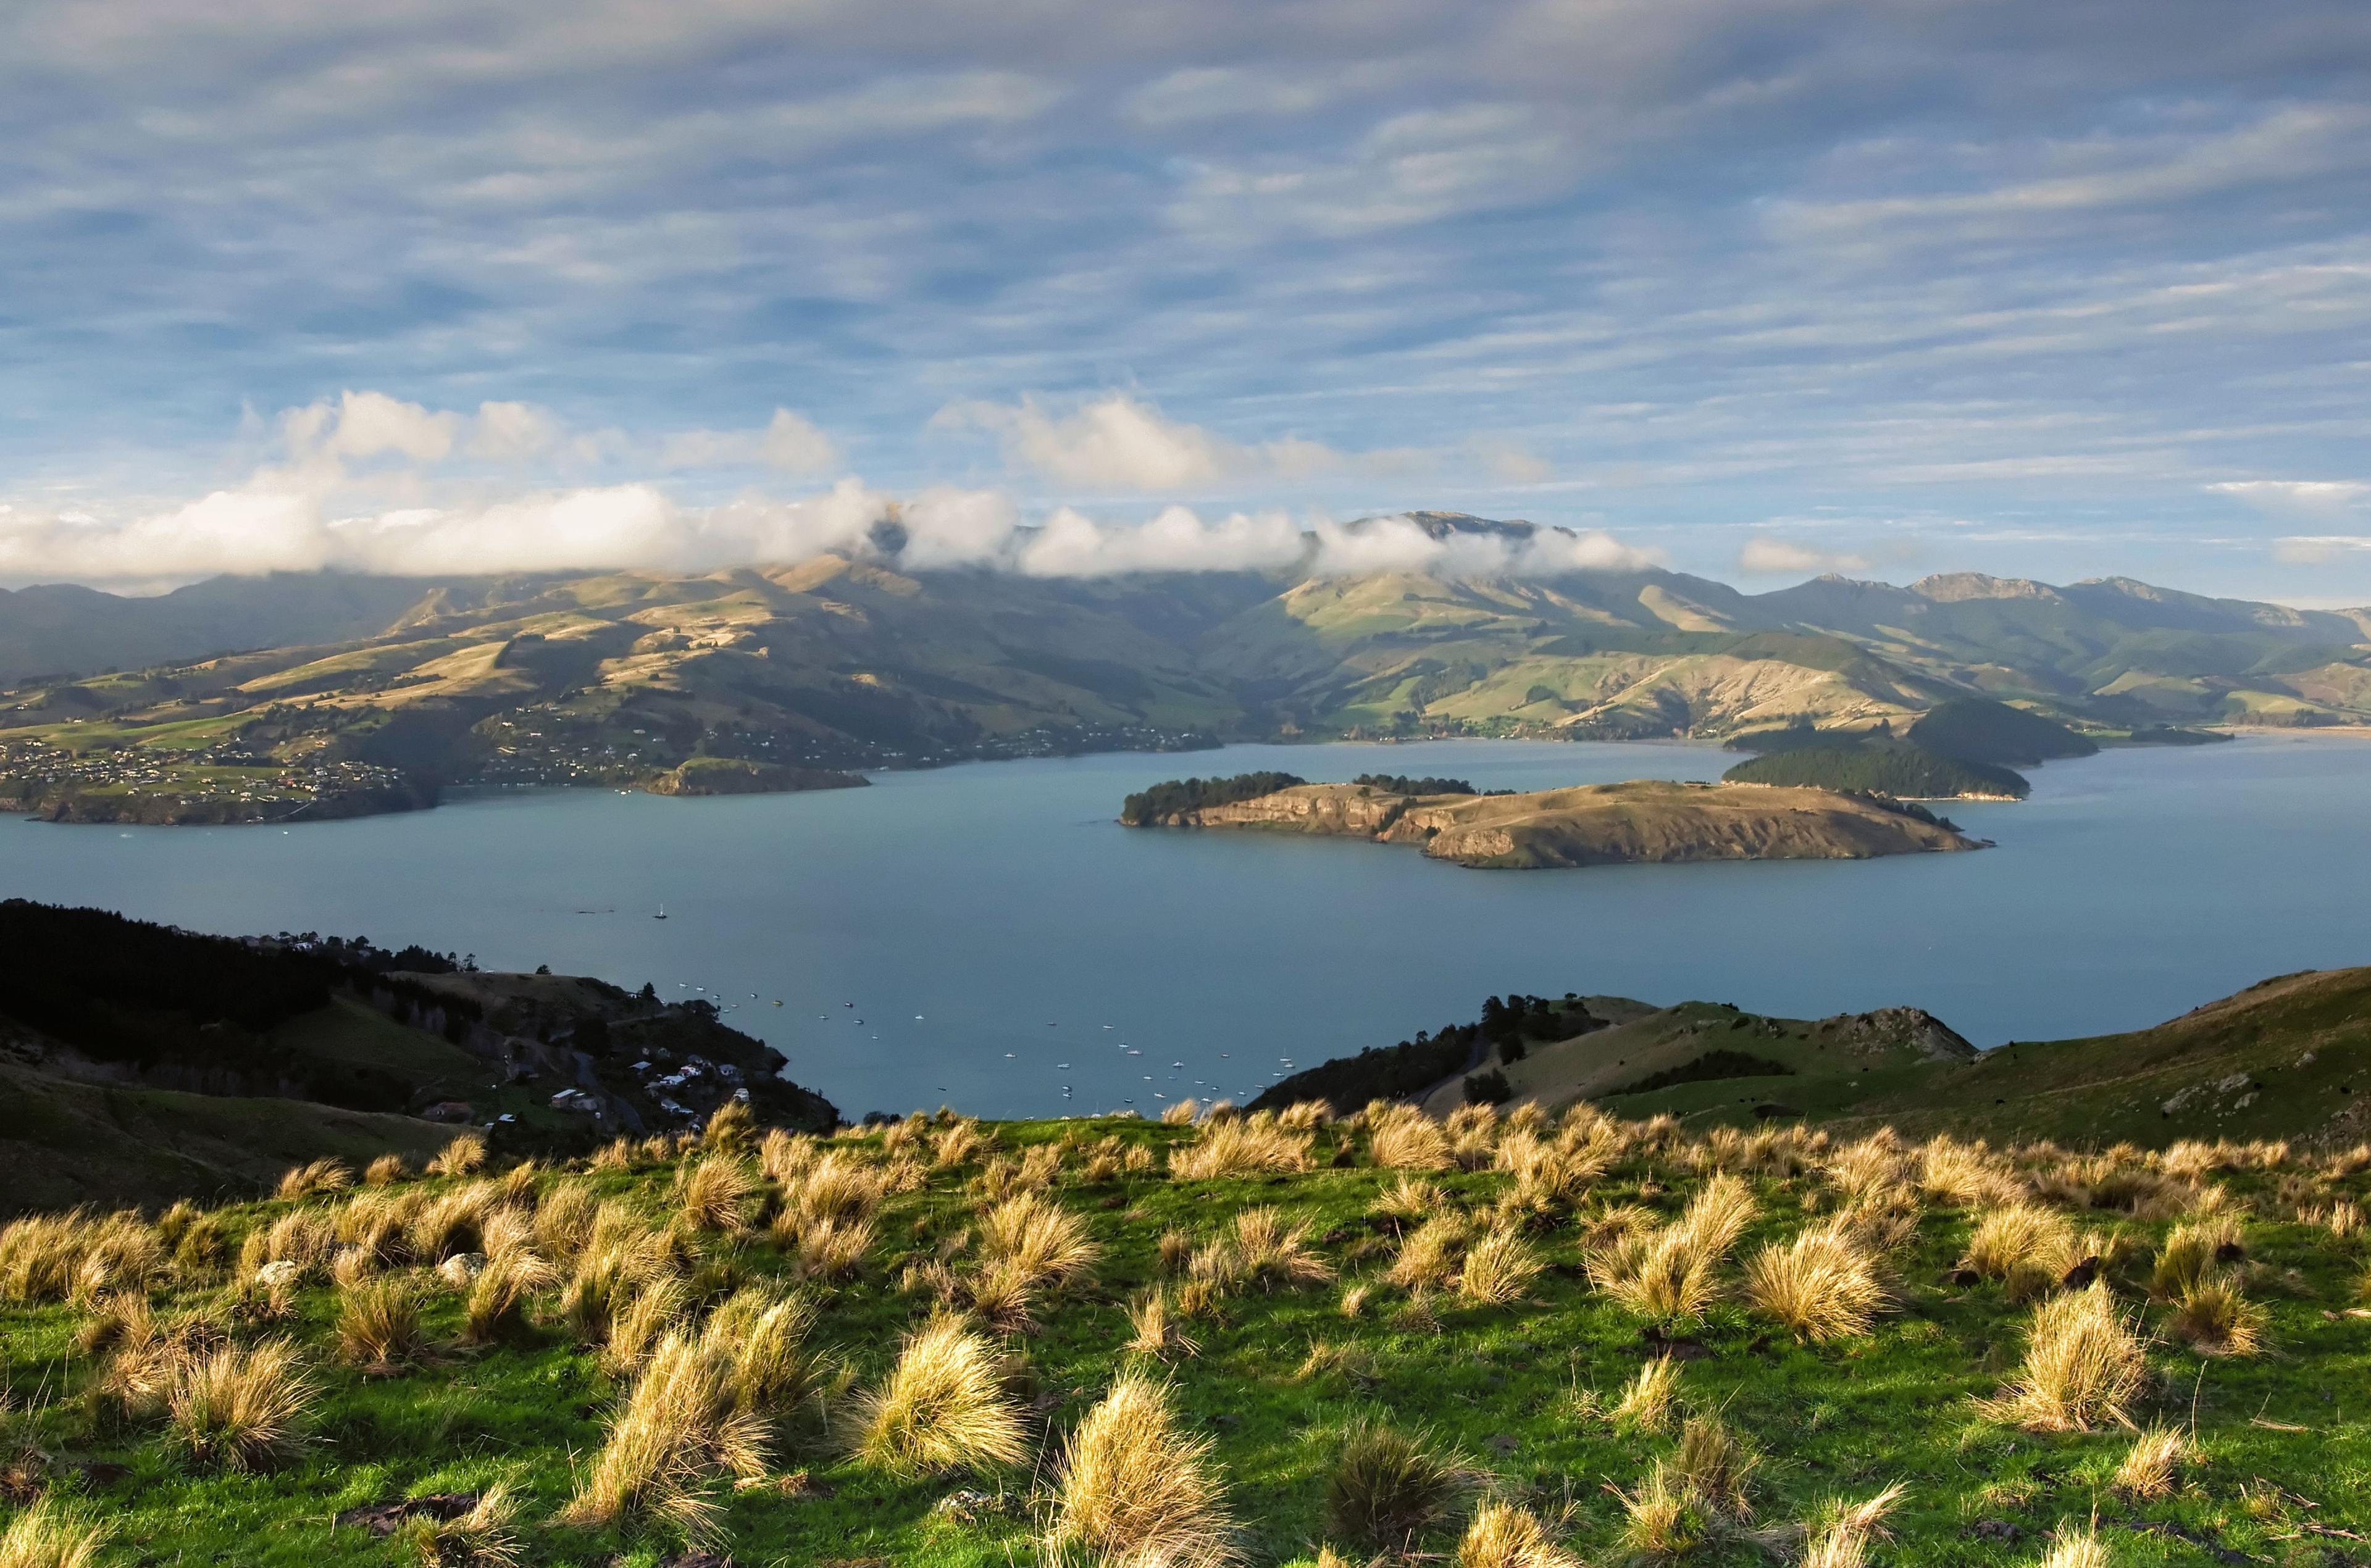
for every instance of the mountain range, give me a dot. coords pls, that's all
(851, 660)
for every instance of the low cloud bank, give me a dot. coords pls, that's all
(256, 530)
(369, 483)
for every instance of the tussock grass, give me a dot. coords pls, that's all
(385, 1170)
(53, 1534)
(1158, 1331)
(714, 1193)
(1430, 1254)
(1715, 1466)
(1402, 1137)
(1499, 1267)
(2083, 1366)
(378, 1327)
(834, 1249)
(678, 1434)
(1503, 1536)
(487, 1536)
(1662, 1521)
(2075, 1547)
(1181, 1113)
(500, 1295)
(1046, 1243)
(463, 1156)
(1387, 1487)
(2152, 1465)
(1823, 1285)
(319, 1178)
(1671, 1275)
(1252, 1146)
(2193, 1250)
(1650, 1402)
(2026, 1246)
(242, 1410)
(2215, 1318)
(1841, 1536)
(1274, 1254)
(1133, 1491)
(941, 1409)
(1965, 1175)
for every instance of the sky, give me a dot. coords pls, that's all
(1756, 290)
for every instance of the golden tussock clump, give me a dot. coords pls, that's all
(1402, 1137)
(1503, 1536)
(1877, 1164)
(1497, 1268)
(2083, 1366)
(1823, 1285)
(1473, 1134)
(463, 1156)
(1300, 1116)
(120, 1253)
(2029, 1248)
(1253, 1145)
(678, 1432)
(499, 1297)
(378, 1327)
(319, 1178)
(1428, 1255)
(2193, 1250)
(1274, 1254)
(1412, 1201)
(1135, 1492)
(1158, 1329)
(732, 1127)
(713, 1193)
(2213, 1317)
(838, 1186)
(2150, 1469)
(49, 1534)
(955, 1146)
(1965, 1175)
(385, 1171)
(242, 1409)
(1715, 1465)
(1671, 1275)
(487, 1536)
(834, 1249)
(1651, 1400)
(1045, 1243)
(941, 1409)
(1181, 1113)
(782, 1154)
(1840, 1537)
(2075, 1547)
(1387, 1487)
(1663, 1520)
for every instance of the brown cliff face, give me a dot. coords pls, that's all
(1642, 821)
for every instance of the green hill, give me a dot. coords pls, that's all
(1975, 730)
(1880, 767)
(296, 697)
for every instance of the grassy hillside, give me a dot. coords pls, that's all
(1905, 772)
(1283, 1339)
(336, 696)
(144, 1062)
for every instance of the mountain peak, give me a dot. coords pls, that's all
(1946, 587)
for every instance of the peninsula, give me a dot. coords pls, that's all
(1594, 824)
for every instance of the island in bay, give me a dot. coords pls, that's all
(1589, 825)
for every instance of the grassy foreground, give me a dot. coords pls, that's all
(1275, 1339)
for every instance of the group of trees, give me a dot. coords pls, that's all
(1396, 1072)
(1175, 797)
(1879, 768)
(1401, 784)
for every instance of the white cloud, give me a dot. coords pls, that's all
(363, 425)
(1205, 93)
(1071, 545)
(788, 443)
(2309, 549)
(1767, 557)
(2298, 498)
(1117, 443)
(512, 432)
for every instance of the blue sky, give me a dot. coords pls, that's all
(1755, 290)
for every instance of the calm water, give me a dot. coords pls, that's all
(1000, 937)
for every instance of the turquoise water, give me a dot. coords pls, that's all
(990, 921)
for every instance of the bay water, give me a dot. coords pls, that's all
(1009, 951)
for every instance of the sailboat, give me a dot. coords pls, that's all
(662, 914)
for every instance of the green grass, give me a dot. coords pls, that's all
(1520, 1392)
